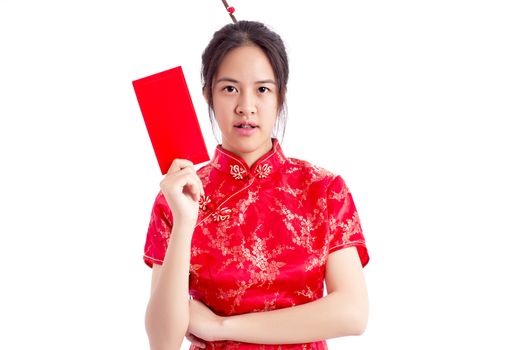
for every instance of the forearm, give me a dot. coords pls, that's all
(167, 315)
(328, 317)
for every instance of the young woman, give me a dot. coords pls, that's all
(256, 231)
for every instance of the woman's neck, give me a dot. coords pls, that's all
(251, 157)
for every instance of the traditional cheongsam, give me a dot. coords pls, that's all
(263, 236)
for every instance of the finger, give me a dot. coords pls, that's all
(188, 180)
(201, 187)
(179, 178)
(179, 164)
(196, 186)
(191, 187)
(185, 172)
(195, 340)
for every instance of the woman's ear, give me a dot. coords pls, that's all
(204, 93)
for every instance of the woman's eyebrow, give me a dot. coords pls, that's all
(266, 81)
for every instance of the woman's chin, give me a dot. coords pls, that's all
(247, 144)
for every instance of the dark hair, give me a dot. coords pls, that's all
(244, 33)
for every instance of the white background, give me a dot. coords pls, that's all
(417, 104)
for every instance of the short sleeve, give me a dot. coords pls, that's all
(158, 232)
(343, 221)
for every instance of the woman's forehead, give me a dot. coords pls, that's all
(245, 64)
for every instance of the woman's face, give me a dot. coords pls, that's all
(245, 92)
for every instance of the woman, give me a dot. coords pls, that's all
(258, 232)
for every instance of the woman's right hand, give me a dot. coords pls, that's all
(182, 189)
(196, 341)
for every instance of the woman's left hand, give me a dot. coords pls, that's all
(203, 323)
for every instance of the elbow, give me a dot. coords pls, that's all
(356, 320)
(357, 325)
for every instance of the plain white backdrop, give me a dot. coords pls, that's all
(417, 104)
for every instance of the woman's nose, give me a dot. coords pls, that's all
(246, 105)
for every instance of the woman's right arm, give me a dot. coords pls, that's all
(167, 313)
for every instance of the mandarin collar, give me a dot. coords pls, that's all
(235, 166)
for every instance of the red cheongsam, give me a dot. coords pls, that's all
(262, 237)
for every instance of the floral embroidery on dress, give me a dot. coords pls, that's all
(308, 293)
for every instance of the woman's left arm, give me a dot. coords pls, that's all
(343, 312)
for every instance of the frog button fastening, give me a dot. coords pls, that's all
(263, 170)
(203, 203)
(221, 214)
(237, 172)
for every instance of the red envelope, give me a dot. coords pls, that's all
(170, 118)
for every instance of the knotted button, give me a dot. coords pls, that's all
(237, 171)
(222, 214)
(203, 202)
(263, 170)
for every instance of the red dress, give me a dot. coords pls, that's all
(262, 237)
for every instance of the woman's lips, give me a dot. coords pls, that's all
(245, 131)
(247, 124)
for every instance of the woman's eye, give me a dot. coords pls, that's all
(263, 89)
(229, 88)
